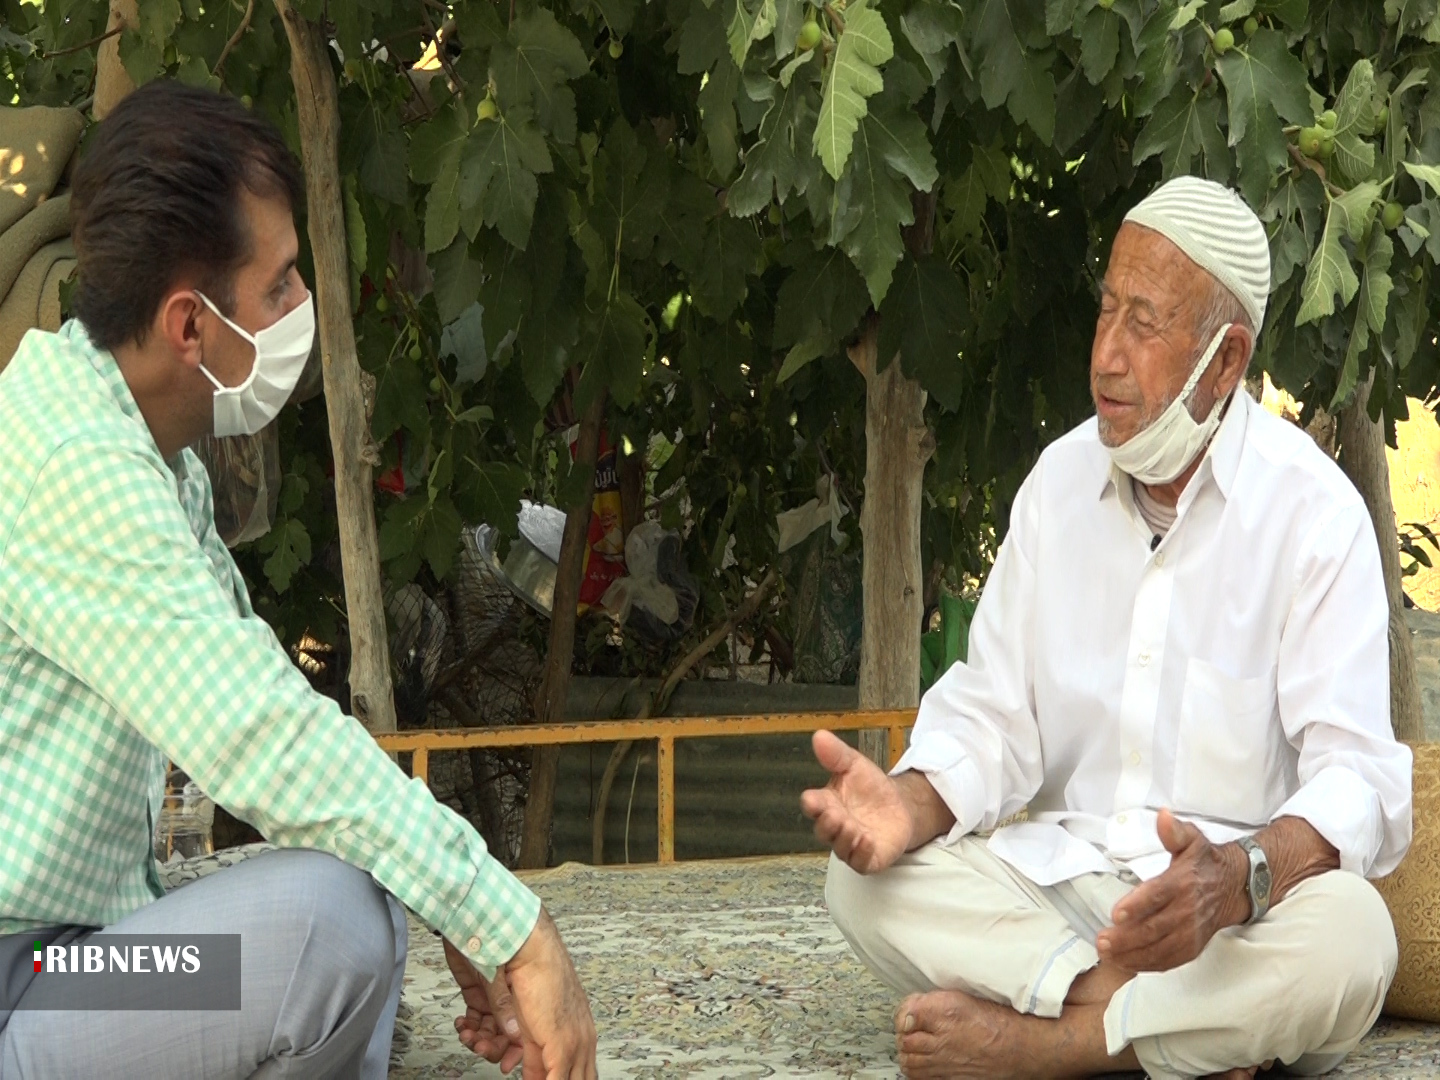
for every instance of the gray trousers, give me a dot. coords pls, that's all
(322, 962)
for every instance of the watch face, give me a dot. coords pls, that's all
(1262, 884)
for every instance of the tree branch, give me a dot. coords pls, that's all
(234, 38)
(1315, 167)
(83, 45)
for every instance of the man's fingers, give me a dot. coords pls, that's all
(836, 828)
(502, 1003)
(1158, 944)
(832, 752)
(815, 801)
(843, 834)
(511, 1059)
(1175, 834)
(1144, 901)
(1126, 941)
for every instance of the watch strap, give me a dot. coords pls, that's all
(1257, 881)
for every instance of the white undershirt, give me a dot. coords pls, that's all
(1156, 514)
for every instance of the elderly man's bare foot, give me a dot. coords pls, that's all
(947, 1033)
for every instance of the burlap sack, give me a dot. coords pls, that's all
(36, 145)
(1412, 893)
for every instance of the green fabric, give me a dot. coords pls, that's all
(127, 636)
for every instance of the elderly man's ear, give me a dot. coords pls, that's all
(1234, 359)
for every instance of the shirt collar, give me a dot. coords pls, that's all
(103, 361)
(105, 365)
(1222, 457)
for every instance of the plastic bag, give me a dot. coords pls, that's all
(245, 473)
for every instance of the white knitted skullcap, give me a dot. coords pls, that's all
(1212, 225)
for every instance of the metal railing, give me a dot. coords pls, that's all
(664, 730)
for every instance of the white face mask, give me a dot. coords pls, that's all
(281, 350)
(1165, 449)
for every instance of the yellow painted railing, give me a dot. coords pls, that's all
(664, 731)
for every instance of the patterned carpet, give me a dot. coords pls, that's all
(702, 970)
(723, 971)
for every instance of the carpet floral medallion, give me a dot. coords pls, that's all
(713, 971)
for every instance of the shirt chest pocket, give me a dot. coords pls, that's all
(1228, 757)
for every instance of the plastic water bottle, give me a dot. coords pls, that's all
(187, 818)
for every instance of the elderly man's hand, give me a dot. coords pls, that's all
(533, 1013)
(1168, 920)
(860, 813)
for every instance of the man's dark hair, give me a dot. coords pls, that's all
(157, 197)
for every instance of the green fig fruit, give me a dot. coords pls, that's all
(1309, 141)
(1392, 216)
(487, 109)
(1327, 120)
(1224, 41)
(617, 48)
(1252, 24)
(809, 36)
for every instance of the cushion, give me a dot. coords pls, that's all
(1412, 894)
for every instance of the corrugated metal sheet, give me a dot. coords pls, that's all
(733, 796)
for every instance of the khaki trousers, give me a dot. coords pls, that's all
(1301, 986)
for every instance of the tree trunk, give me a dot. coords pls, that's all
(112, 81)
(898, 444)
(371, 696)
(560, 653)
(1362, 456)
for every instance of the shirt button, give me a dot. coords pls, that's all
(1120, 820)
(1134, 757)
(1144, 657)
(1160, 559)
(473, 945)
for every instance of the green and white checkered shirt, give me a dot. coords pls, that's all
(127, 636)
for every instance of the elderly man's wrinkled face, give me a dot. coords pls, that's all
(1145, 340)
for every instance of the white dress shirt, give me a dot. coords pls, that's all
(1237, 673)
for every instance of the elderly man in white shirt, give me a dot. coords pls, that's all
(1179, 666)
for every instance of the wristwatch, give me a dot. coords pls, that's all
(1257, 886)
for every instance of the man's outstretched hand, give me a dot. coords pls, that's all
(534, 1012)
(860, 813)
(1169, 919)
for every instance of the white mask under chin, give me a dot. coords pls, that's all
(1165, 449)
(281, 350)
